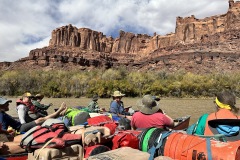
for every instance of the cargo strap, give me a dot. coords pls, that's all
(209, 151)
(83, 141)
(159, 143)
(44, 146)
(146, 139)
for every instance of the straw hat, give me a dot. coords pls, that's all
(27, 94)
(148, 105)
(118, 94)
(39, 96)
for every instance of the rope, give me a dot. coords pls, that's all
(83, 140)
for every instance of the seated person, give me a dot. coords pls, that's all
(93, 105)
(150, 115)
(8, 121)
(117, 106)
(225, 109)
(41, 108)
(25, 109)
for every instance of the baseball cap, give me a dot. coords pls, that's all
(4, 100)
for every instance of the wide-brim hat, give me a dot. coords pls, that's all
(39, 96)
(117, 94)
(156, 98)
(4, 100)
(95, 98)
(148, 105)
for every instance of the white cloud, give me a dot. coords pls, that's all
(28, 24)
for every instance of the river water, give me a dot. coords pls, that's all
(174, 107)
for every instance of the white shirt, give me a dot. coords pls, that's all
(22, 110)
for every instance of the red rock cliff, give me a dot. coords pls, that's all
(194, 43)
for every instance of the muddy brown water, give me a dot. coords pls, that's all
(174, 107)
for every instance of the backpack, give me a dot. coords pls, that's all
(77, 116)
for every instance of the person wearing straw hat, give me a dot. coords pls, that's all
(150, 115)
(36, 100)
(117, 106)
(41, 108)
(25, 109)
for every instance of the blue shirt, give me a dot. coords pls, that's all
(6, 121)
(117, 108)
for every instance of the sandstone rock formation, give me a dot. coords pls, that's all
(198, 45)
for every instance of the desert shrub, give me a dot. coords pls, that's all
(60, 83)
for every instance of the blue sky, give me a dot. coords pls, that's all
(27, 24)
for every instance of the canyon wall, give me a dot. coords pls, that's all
(198, 45)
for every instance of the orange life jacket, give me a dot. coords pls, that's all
(220, 114)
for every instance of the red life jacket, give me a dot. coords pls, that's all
(220, 114)
(31, 107)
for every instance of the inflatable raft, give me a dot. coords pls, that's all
(103, 138)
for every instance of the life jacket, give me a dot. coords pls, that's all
(52, 134)
(31, 107)
(221, 114)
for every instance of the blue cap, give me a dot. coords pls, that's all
(4, 100)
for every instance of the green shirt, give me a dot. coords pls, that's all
(93, 106)
(39, 105)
